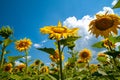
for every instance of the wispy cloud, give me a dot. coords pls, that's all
(114, 2)
(36, 45)
(44, 41)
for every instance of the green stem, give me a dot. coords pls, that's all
(26, 61)
(2, 57)
(60, 54)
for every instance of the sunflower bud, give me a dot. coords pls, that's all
(6, 31)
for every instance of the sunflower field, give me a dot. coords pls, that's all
(77, 66)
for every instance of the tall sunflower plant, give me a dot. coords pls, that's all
(6, 39)
(64, 37)
(107, 25)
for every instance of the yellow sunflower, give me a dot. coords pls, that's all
(102, 57)
(21, 66)
(56, 57)
(23, 44)
(37, 62)
(93, 68)
(85, 54)
(104, 25)
(8, 67)
(108, 44)
(44, 69)
(59, 31)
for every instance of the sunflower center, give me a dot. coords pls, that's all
(23, 44)
(84, 55)
(104, 23)
(7, 68)
(59, 29)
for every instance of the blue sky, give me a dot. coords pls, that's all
(26, 17)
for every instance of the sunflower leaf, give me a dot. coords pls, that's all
(47, 50)
(113, 39)
(7, 42)
(118, 39)
(98, 45)
(14, 58)
(117, 5)
(69, 42)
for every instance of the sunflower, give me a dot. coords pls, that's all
(104, 25)
(37, 62)
(81, 63)
(21, 66)
(102, 57)
(85, 54)
(59, 31)
(56, 57)
(23, 44)
(8, 67)
(108, 44)
(44, 69)
(93, 68)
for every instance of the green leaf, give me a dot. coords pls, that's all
(16, 77)
(98, 45)
(7, 42)
(113, 39)
(119, 48)
(117, 5)
(14, 58)
(51, 77)
(101, 59)
(69, 42)
(47, 50)
(118, 39)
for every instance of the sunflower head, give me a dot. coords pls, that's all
(21, 66)
(44, 69)
(93, 68)
(102, 57)
(108, 44)
(81, 63)
(23, 44)
(58, 32)
(85, 54)
(6, 31)
(104, 25)
(8, 67)
(55, 57)
(37, 62)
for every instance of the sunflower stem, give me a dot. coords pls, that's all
(26, 55)
(60, 54)
(2, 57)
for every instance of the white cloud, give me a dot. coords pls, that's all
(87, 39)
(44, 41)
(17, 63)
(114, 2)
(37, 45)
(28, 57)
(105, 9)
(83, 23)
